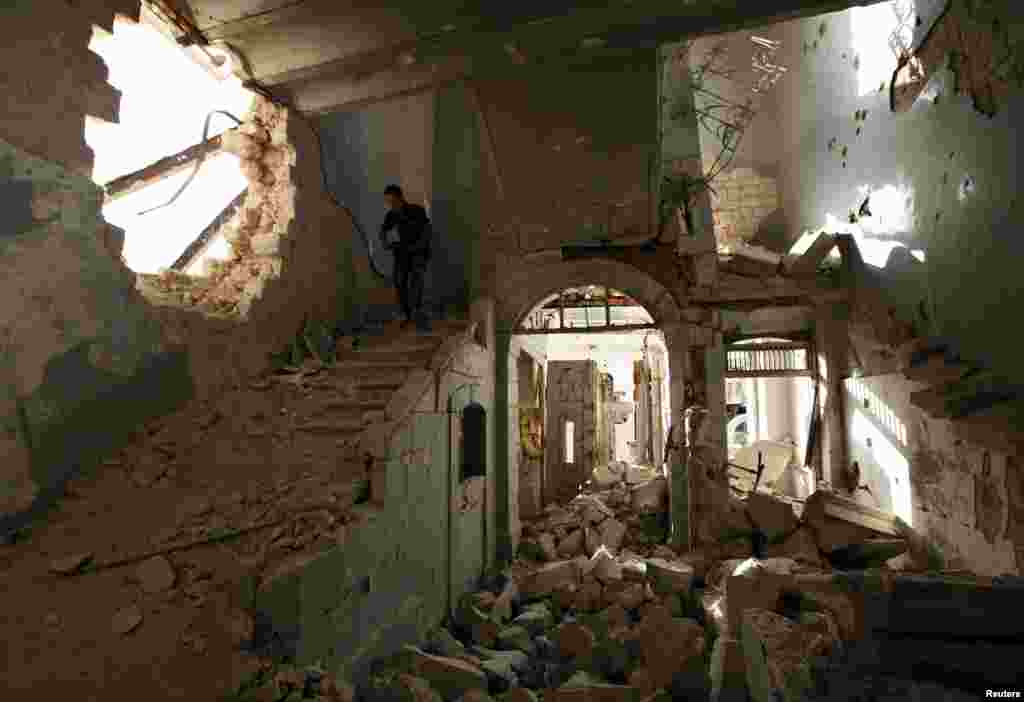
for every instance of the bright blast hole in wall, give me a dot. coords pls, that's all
(165, 99)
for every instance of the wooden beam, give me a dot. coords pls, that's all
(164, 168)
(205, 238)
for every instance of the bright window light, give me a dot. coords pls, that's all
(158, 118)
(892, 210)
(570, 429)
(890, 460)
(876, 30)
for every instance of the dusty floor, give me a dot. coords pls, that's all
(173, 524)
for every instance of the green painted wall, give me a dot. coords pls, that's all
(70, 316)
(385, 587)
(469, 528)
(388, 584)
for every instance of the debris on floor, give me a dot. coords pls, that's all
(597, 607)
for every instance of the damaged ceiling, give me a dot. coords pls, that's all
(325, 55)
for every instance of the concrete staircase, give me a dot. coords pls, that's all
(985, 406)
(377, 381)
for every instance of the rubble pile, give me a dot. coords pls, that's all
(597, 607)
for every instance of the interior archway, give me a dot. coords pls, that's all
(519, 293)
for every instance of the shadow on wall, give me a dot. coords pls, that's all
(80, 413)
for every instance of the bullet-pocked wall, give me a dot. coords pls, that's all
(943, 177)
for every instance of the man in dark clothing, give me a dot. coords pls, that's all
(411, 249)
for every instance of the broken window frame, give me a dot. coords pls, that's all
(549, 317)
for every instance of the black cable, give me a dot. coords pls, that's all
(199, 161)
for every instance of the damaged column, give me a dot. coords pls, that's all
(677, 340)
(833, 344)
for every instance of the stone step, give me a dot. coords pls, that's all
(416, 359)
(369, 363)
(376, 394)
(380, 378)
(341, 428)
(404, 342)
(351, 413)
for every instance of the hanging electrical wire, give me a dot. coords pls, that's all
(199, 161)
(191, 35)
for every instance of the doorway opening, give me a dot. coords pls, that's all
(605, 394)
(769, 408)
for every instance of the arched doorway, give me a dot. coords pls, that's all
(518, 293)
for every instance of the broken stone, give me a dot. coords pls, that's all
(800, 546)
(419, 690)
(571, 545)
(591, 514)
(871, 553)
(536, 619)
(241, 627)
(127, 620)
(156, 574)
(612, 532)
(728, 671)
(606, 569)
(777, 652)
(669, 577)
(651, 496)
(565, 597)
(633, 596)
(450, 676)
(588, 597)
(547, 547)
(518, 661)
(520, 694)
(502, 609)
(550, 577)
(669, 644)
(772, 516)
(440, 642)
(70, 564)
(587, 688)
(591, 541)
(839, 521)
(484, 600)
(514, 638)
(574, 640)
